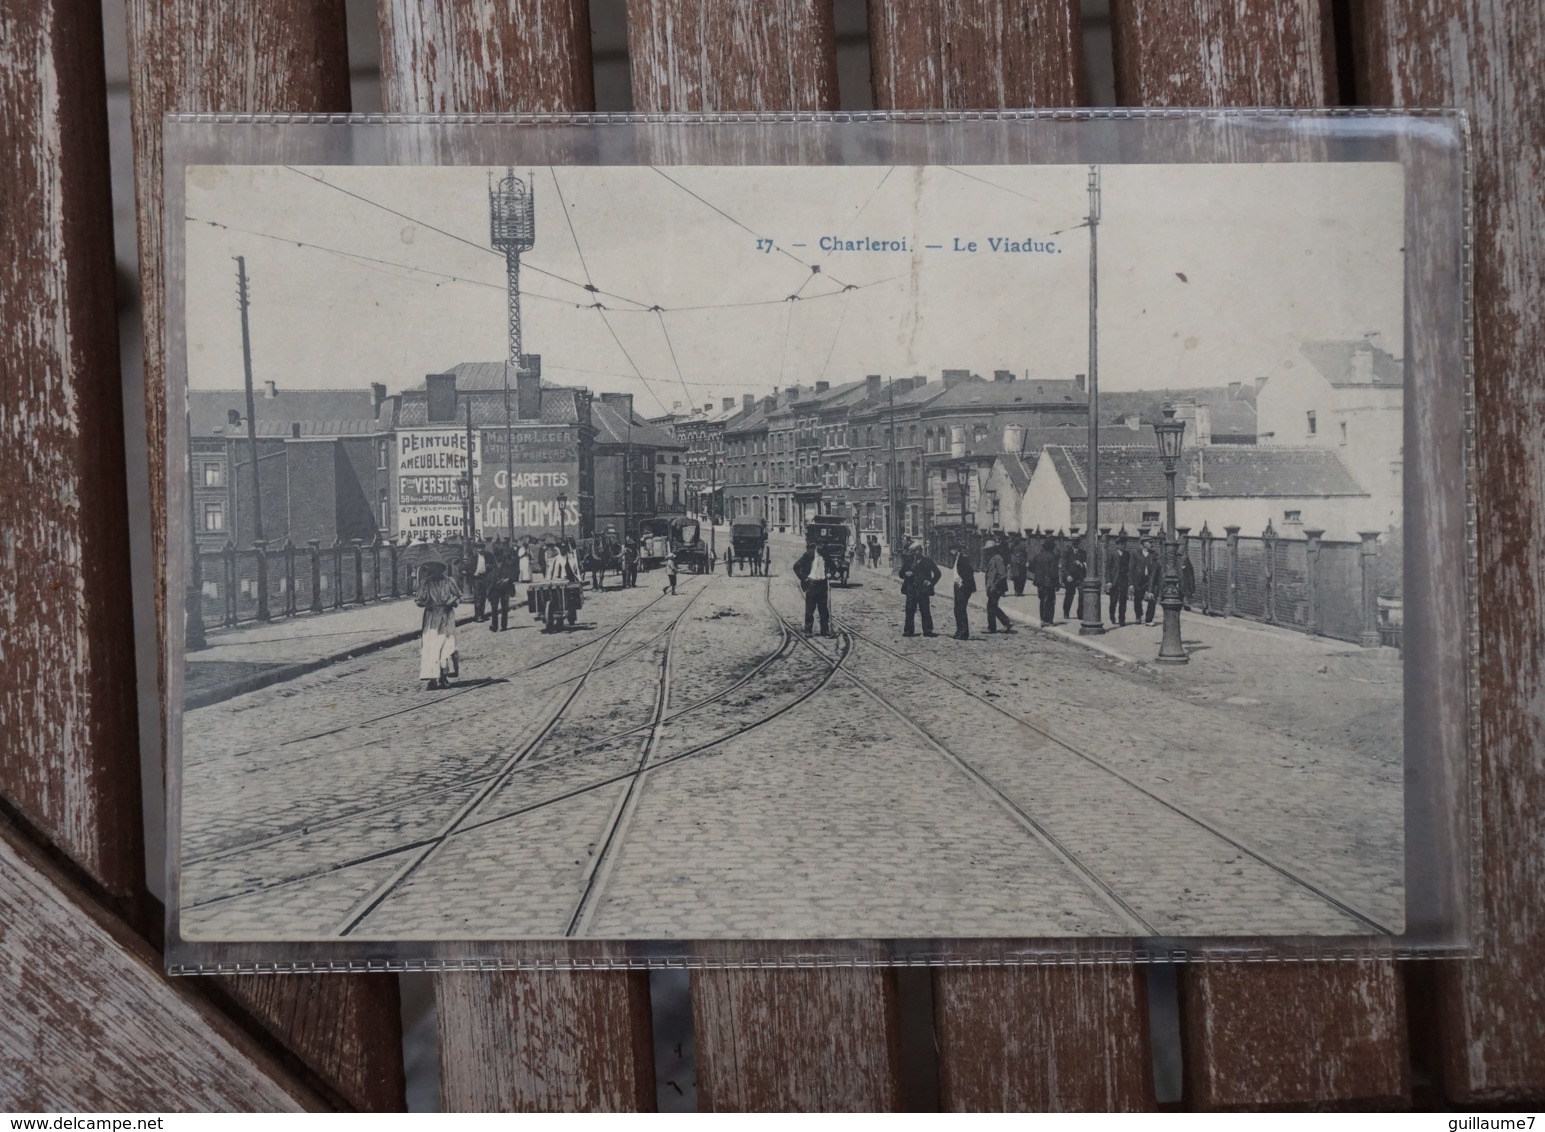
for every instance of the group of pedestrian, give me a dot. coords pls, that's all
(1015, 562)
(490, 573)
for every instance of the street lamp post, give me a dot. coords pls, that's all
(1170, 434)
(1089, 623)
(563, 516)
(963, 478)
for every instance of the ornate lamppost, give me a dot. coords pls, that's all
(563, 516)
(1170, 434)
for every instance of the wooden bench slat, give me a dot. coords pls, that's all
(546, 1041)
(1262, 53)
(1483, 56)
(519, 1040)
(1211, 53)
(975, 54)
(767, 1038)
(278, 56)
(796, 1040)
(706, 55)
(1044, 1039)
(88, 1023)
(1293, 1035)
(68, 760)
(1057, 1037)
(477, 56)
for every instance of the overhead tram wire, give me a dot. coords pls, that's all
(671, 346)
(460, 239)
(361, 257)
(814, 268)
(636, 372)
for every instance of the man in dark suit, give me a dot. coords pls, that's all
(1146, 576)
(1118, 570)
(814, 574)
(1044, 572)
(997, 585)
(501, 584)
(919, 575)
(965, 585)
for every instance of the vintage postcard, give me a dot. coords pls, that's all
(694, 552)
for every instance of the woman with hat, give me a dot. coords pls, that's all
(439, 595)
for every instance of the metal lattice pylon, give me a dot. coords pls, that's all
(512, 230)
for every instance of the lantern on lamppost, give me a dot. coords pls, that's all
(563, 516)
(1170, 434)
(963, 479)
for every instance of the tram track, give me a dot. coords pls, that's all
(1235, 842)
(437, 701)
(462, 824)
(431, 846)
(309, 828)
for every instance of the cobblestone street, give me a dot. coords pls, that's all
(691, 766)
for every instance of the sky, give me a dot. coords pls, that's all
(712, 281)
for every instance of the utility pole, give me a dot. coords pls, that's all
(246, 361)
(1089, 616)
(894, 507)
(471, 480)
(627, 482)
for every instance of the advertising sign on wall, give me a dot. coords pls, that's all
(544, 490)
(430, 464)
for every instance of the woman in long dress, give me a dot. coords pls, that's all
(439, 595)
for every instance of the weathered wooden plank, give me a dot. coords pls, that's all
(87, 1022)
(279, 56)
(787, 1040)
(521, 1040)
(1043, 1039)
(1010, 1038)
(1483, 55)
(767, 1039)
(975, 54)
(528, 55)
(68, 759)
(546, 1041)
(1223, 52)
(704, 55)
(1255, 53)
(1238, 1058)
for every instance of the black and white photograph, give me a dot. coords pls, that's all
(824, 552)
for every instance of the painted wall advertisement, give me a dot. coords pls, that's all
(544, 490)
(430, 467)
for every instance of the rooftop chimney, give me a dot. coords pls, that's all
(822, 386)
(1002, 375)
(622, 402)
(377, 396)
(675, 406)
(270, 390)
(747, 402)
(295, 429)
(442, 397)
(792, 392)
(954, 377)
(233, 417)
(770, 402)
(873, 386)
(729, 403)
(1081, 382)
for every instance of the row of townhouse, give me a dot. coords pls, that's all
(867, 450)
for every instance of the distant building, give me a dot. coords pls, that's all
(747, 477)
(541, 434)
(1293, 489)
(637, 458)
(1224, 414)
(1350, 399)
(322, 471)
(702, 433)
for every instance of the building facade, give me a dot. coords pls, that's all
(1351, 400)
